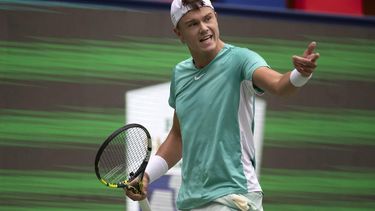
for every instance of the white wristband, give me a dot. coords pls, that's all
(156, 168)
(297, 79)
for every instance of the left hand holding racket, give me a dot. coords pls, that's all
(138, 195)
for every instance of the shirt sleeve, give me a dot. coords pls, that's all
(251, 62)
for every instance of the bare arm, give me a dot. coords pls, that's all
(279, 84)
(171, 148)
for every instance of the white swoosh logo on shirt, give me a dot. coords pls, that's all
(197, 77)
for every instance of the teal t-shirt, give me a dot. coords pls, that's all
(215, 108)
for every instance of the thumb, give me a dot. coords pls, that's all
(310, 49)
(144, 184)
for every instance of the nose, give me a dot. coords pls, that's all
(203, 28)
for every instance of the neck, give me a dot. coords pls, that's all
(201, 59)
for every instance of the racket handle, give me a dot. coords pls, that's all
(145, 205)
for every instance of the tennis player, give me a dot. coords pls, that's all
(213, 96)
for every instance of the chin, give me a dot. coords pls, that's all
(208, 49)
(211, 48)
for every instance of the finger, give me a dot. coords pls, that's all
(144, 188)
(307, 71)
(304, 72)
(310, 49)
(308, 66)
(132, 190)
(136, 196)
(315, 57)
(144, 183)
(303, 62)
(300, 59)
(304, 66)
(137, 189)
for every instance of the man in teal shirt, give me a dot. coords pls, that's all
(213, 95)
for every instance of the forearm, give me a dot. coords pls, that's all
(278, 84)
(293, 80)
(171, 150)
(168, 154)
(284, 87)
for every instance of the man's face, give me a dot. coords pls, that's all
(199, 30)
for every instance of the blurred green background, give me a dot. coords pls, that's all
(64, 70)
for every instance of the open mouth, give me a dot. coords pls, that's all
(205, 38)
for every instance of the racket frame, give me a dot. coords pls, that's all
(139, 173)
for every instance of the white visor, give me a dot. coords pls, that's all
(178, 9)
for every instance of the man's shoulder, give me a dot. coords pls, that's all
(184, 64)
(239, 54)
(239, 50)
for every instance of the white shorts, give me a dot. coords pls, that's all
(234, 202)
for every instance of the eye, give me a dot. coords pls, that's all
(208, 18)
(191, 24)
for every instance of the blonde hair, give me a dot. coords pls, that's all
(195, 4)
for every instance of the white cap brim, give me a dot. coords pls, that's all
(178, 10)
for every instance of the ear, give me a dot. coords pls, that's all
(179, 34)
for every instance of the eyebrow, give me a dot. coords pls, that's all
(193, 20)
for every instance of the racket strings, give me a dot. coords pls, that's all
(136, 148)
(112, 166)
(124, 155)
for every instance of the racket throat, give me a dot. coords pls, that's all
(139, 172)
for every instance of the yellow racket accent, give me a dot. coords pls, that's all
(112, 185)
(104, 182)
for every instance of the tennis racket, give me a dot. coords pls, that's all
(123, 157)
